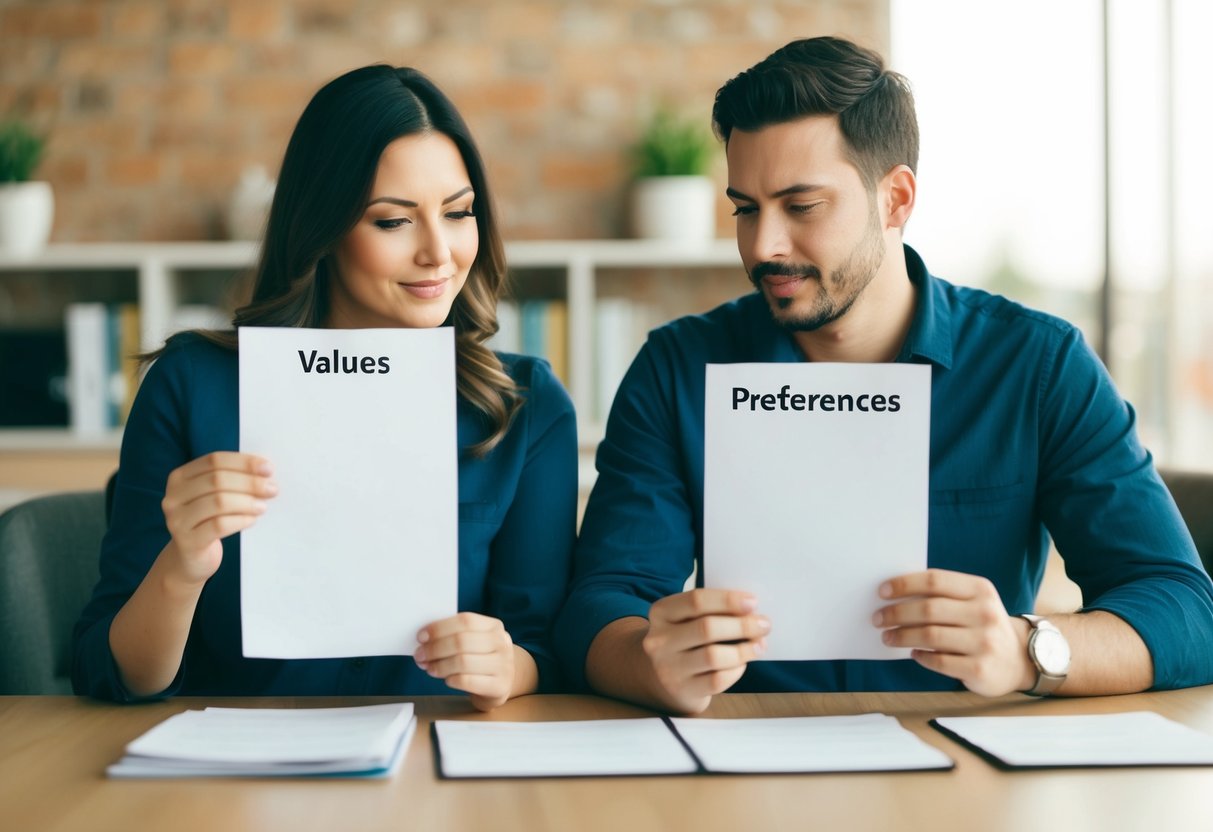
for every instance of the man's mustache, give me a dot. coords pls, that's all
(770, 269)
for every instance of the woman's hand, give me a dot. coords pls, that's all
(206, 500)
(474, 653)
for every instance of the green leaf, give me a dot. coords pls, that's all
(20, 151)
(673, 146)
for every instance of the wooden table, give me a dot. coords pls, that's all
(53, 752)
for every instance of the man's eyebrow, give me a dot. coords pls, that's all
(797, 189)
(733, 193)
(408, 203)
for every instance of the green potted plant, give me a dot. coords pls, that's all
(673, 198)
(27, 207)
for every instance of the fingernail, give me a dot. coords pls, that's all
(760, 647)
(886, 590)
(887, 636)
(764, 625)
(419, 655)
(259, 506)
(423, 636)
(749, 603)
(271, 487)
(878, 618)
(264, 468)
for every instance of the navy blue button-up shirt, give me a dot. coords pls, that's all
(1028, 437)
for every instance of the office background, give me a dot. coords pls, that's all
(155, 109)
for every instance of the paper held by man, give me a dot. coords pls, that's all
(815, 491)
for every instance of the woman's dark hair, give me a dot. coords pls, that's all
(323, 188)
(827, 76)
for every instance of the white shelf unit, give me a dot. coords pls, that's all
(159, 267)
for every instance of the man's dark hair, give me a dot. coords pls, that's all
(827, 76)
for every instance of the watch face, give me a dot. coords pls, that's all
(1052, 652)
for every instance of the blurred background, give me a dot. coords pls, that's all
(1061, 153)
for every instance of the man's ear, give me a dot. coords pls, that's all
(897, 191)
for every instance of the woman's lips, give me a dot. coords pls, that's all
(425, 288)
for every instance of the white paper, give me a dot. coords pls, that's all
(1137, 738)
(359, 549)
(560, 749)
(812, 510)
(367, 740)
(865, 742)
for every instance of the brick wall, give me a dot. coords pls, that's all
(155, 106)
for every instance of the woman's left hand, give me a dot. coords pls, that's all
(472, 653)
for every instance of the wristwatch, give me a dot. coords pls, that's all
(1050, 652)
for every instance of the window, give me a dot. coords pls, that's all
(1012, 182)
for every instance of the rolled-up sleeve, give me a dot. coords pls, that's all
(1114, 522)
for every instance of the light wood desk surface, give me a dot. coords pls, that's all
(53, 752)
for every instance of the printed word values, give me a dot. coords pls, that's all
(313, 362)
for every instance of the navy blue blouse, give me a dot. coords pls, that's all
(517, 524)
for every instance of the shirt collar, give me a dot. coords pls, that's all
(930, 336)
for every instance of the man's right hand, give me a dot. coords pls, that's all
(699, 642)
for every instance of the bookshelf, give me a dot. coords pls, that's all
(161, 277)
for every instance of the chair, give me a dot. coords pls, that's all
(1193, 493)
(49, 549)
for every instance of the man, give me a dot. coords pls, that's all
(1028, 433)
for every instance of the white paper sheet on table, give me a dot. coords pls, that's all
(812, 510)
(1136, 738)
(860, 742)
(575, 748)
(359, 549)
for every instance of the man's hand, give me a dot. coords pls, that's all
(957, 626)
(699, 642)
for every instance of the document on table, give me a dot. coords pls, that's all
(868, 742)
(1136, 738)
(366, 741)
(359, 549)
(816, 482)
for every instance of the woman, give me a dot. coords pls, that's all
(382, 218)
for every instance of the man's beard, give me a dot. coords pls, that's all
(850, 279)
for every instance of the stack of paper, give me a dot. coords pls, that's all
(367, 741)
(867, 742)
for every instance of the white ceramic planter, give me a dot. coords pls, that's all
(26, 212)
(680, 208)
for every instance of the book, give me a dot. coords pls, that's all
(509, 328)
(88, 374)
(103, 371)
(1136, 738)
(653, 745)
(556, 316)
(616, 341)
(362, 741)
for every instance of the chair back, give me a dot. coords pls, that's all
(49, 549)
(1193, 493)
